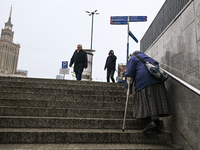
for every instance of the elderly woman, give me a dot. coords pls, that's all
(150, 100)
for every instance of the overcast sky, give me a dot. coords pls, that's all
(49, 31)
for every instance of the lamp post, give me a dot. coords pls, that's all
(92, 14)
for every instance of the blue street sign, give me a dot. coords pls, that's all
(119, 23)
(125, 18)
(133, 17)
(134, 38)
(64, 64)
(139, 19)
(118, 18)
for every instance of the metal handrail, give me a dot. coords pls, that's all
(190, 87)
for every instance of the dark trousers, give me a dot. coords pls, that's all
(110, 74)
(78, 74)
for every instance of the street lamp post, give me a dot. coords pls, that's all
(92, 13)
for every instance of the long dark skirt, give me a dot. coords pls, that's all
(150, 101)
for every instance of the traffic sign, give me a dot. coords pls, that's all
(64, 64)
(125, 18)
(64, 71)
(118, 18)
(133, 17)
(137, 18)
(119, 23)
(134, 38)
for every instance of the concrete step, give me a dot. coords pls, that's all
(33, 81)
(62, 96)
(64, 86)
(68, 122)
(89, 147)
(62, 112)
(86, 115)
(90, 136)
(66, 104)
(80, 91)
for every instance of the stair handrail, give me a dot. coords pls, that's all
(190, 87)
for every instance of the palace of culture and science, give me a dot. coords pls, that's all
(9, 51)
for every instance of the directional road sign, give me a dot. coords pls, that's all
(64, 64)
(125, 18)
(118, 18)
(134, 38)
(137, 18)
(119, 23)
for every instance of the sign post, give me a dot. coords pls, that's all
(64, 70)
(125, 20)
(127, 43)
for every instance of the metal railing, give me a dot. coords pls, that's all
(190, 87)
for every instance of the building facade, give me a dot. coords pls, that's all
(23, 73)
(9, 51)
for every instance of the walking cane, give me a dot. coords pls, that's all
(129, 81)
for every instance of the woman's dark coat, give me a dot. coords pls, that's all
(137, 70)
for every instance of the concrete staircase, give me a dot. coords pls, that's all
(56, 114)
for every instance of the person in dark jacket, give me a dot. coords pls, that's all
(150, 100)
(110, 66)
(80, 61)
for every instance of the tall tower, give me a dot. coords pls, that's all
(9, 51)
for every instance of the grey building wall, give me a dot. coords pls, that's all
(167, 13)
(178, 51)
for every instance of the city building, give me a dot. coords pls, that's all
(23, 73)
(9, 51)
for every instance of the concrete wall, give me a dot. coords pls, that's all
(178, 51)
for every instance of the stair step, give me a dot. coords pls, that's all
(67, 123)
(65, 104)
(80, 90)
(66, 114)
(91, 136)
(43, 82)
(61, 86)
(88, 147)
(62, 96)
(62, 112)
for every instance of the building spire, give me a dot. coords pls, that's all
(9, 20)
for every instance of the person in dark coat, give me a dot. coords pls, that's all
(110, 66)
(80, 61)
(150, 100)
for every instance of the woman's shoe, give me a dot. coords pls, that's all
(157, 130)
(149, 127)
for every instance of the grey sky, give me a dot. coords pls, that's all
(49, 30)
